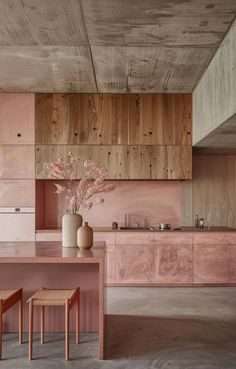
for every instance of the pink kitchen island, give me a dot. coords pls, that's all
(32, 265)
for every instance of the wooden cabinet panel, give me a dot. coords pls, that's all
(17, 192)
(17, 162)
(173, 264)
(114, 119)
(211, 263)
(16, 118)
(110, 264)
(125, 162)
(134, 264)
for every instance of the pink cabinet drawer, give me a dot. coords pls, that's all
(211, 263)
(17, 162)
(16, 118)
(134, 264)
(108, 237)
(214, 238)
(110, 264)
(182, 238)
(173, 264)
(17, 227)
(134, 238)
(17, 193)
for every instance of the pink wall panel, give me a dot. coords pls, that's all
(31, 277)
(16, 118)
(157, 201)
(211, 263)
(17, 193)
(17, 162)
(134, 264)
(233, 263)
(174, 264)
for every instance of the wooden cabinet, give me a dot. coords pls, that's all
(114, 119)
(211, 263)
(125, 162)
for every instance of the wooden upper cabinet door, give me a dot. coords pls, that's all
(173, 264)
(211, 264)
(16, 118)
(134, 264)
(114, 119)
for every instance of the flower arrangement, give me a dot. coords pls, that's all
(79, 193)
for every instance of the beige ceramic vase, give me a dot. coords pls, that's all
(85, 237)
(70, 224)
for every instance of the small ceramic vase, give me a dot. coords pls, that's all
(70, 224)
(85, 237)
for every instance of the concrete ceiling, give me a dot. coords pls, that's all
(109, 45)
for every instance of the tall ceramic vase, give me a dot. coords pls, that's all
(70, 224)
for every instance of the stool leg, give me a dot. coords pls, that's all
(42, 325)
(20, 320)
(31, 317)
(1, 313)
(78, 319)
(67, 326)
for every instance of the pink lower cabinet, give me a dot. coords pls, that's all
(233, 263)
(211, 263)
(134, 264)
(17, 226)
(110, 264)
(173, 264)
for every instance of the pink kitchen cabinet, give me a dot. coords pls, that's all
(211, 264)
(134, 238)
(233, 263)
(169, 238)
(108, 237)
(173, 264)
(110, 264)
(17, 192)
(210, 238)
(17, 162)
(134, 264)
(16, 118)
(17, 227)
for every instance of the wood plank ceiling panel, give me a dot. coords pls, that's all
(154, 69)
(46, 69)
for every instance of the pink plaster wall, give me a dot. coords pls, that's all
(159, 201)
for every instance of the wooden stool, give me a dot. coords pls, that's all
(8, 298)
(50, 297)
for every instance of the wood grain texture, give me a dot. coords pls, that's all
(214, 96)
(174, 264)
(113, 119)
(46, 69)
(211, 263)
(125, 162)
(148, 69)
(134, 264)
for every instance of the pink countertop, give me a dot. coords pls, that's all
(49, 252)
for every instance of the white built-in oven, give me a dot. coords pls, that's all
(17, 223)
